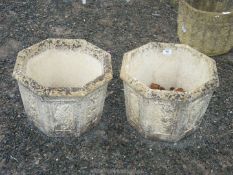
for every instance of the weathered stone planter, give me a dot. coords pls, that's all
(167, 115)
(63, 84)
(206, 25)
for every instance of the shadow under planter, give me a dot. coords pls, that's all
(164, 114)
(206, 25)
(63, 84)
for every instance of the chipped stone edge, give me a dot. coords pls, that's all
(23, 56)
(145, 91)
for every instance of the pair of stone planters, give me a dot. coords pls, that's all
(206, 25)
(63, 85)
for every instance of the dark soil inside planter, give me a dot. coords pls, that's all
(159, 87)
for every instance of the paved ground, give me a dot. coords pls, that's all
(113, 146)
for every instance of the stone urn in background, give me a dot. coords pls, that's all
(164, 114)
(63, 84)
(206, 25)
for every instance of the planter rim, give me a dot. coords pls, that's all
(84, 46)
(212, 14)
(145, 91)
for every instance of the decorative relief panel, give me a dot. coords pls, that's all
(63, 116)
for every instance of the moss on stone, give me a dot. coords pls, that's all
(206, 25)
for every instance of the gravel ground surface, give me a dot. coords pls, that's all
(113, 146)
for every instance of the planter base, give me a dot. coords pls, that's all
(67, 117)
(156, 124)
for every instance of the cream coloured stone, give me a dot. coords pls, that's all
(63, 84)
(167, 115)
(75, 69)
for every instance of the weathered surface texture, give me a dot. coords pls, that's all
(163, 119)
(82, 46)
(63, 116)
(66, 111)
(167, 115)
(209, 32)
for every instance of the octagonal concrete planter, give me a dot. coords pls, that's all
(206, 25)
(63, 84)
(167, 115)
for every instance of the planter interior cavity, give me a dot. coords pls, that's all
(167, 115)
(63, 84)
(183, 71)
(206, 25)
(63, 68)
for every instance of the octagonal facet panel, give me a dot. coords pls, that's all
(63, 84)
(167, 115)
